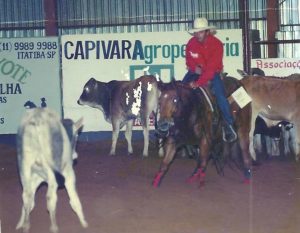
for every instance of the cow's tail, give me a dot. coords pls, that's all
(57, 144)
(60, 179)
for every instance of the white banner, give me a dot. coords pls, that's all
(125, 56)
(279, 67)
(29, 76)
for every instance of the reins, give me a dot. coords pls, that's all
(205, 102)
(207, 98)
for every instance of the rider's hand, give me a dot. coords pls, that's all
(193, 85)
(198, 70)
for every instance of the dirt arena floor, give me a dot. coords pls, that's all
(117, 196)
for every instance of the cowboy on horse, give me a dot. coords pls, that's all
(204, 60)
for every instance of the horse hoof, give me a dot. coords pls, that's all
(246, 181)
(197, 175)
(202, 184)
(157, 179)
(155, 184)
(191, 179)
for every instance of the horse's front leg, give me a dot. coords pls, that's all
(170, 151)
(202, 158)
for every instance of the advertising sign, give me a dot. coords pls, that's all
(126, 56)
(29, 77)
(279, 67)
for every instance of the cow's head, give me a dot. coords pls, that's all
(88, 92)
(93, 94)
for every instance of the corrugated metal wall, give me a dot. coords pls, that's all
(100, 16)
(290, 15)
(289, 28)
(21, 18)
(25, 18)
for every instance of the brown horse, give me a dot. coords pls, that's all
(185, 117)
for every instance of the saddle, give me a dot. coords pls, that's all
(211, 100)
(217, 120)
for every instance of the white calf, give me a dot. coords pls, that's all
(45, 149)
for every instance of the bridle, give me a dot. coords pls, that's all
(163, 127)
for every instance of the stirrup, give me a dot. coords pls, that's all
(229, 134)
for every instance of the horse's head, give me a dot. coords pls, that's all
(169, 106)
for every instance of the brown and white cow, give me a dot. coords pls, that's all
(121, 102)
(276, 99)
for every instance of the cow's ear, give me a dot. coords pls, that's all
(157, 77)
(91, 80)
(224, 74)
(173, 81)
(242, 72)
(160, 84)
(78, 124)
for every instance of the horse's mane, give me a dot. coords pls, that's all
(174, 83)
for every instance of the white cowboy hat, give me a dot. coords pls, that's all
(201, 24)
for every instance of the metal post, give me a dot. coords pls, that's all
(244, 24)
(272, 26)
(50, 18)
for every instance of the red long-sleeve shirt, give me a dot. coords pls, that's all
(208, 55)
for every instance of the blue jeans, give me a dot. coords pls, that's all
(218, 90)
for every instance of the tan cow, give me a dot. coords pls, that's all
(274, 98)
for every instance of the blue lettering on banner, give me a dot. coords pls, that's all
(2, 120)
(31, 55)
(112, 49)
(33, 50)
(138, 50)
(3, 99)
(10, 88)
(134, 50)
(106, 50)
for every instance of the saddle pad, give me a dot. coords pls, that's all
(241, 97)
